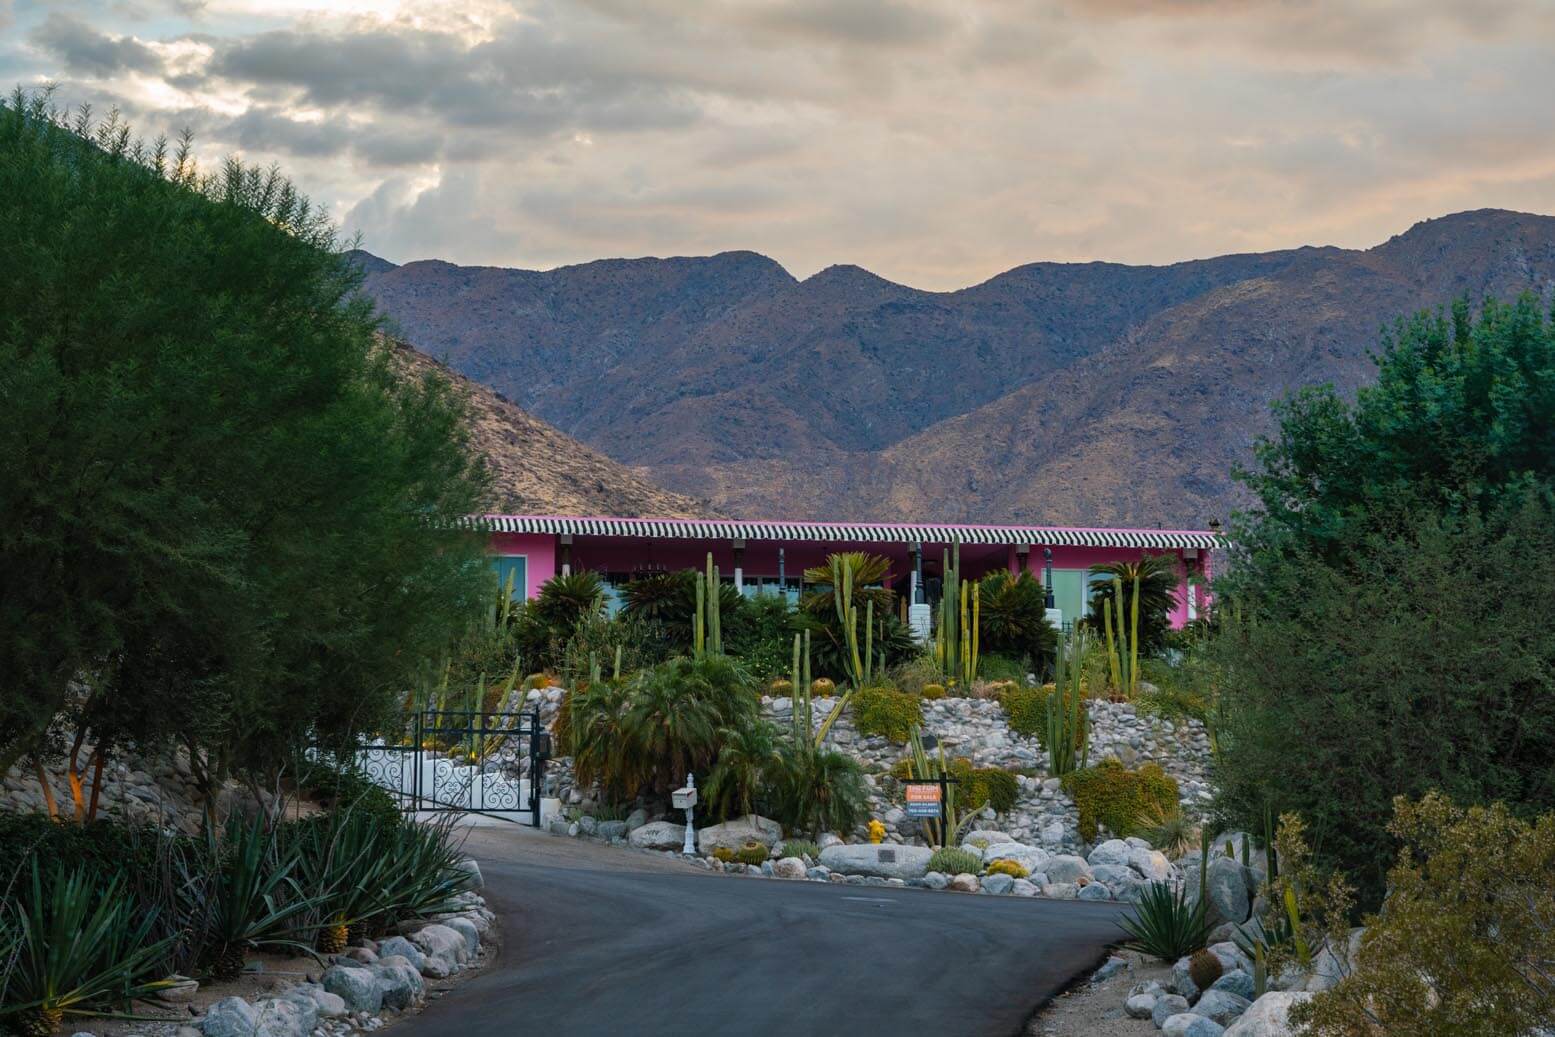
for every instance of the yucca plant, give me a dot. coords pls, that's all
(244, 891)
(425, 873)
(341, 870)
(81, 947)
(1165, 923)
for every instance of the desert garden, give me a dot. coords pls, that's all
(1329, 802)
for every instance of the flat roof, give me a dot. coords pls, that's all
(852, 532)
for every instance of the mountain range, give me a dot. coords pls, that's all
(1093, 393)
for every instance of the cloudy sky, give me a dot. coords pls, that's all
(935, 142)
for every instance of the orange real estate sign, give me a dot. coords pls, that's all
(924, 800)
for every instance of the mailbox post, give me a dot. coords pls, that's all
(686, 799)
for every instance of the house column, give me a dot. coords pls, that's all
(566, 554)
(918, 613)
(739, 566)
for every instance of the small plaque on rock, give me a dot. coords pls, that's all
(887, 856)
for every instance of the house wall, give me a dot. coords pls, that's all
(539, 549)
(760, 558)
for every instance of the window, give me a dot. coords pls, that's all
(517, 567)
(1069, 593)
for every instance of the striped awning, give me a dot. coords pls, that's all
(848, 532)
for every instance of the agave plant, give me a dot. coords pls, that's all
(80, 948)
(243, 894)
(1165, 923)
(424, 875)
(341, 871)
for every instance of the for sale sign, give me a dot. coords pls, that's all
(924, 800)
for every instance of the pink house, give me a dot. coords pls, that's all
(770, 557)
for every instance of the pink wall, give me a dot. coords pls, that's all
(760, 558)
(538, 548)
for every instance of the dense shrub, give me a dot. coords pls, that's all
(817, 790)
(977, 787)
(340, 789)
(651, 730)
(1423, 659)
(1005, 866)
(1123, 800)
(1014, 624)
(951, 860)
(887, 712)
(801, 848)
(103, 847)
(916, 674)
(1025, 709)
(1465, 944)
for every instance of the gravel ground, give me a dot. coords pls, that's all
(1096, 1009)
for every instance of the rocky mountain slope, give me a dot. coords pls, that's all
(537, 470)
(1075, 393)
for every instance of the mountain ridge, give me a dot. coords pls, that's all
(1078, 393)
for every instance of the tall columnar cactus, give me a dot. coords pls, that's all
(1068, 747)
(1123, 641)
(707, 624)
(960, 615)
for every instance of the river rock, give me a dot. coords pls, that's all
(731, 835)
(1186, 1024)
(1269, 1016)
(473, 870)
(889, 862)
(1067, 868)
(1235, 982)
(1150, 865)
(402, 985)
(467, 929)
(356, 986)
(1166, 1006)
(1227, 883)
(1113, 851)
(404, 948)
(788, 868)
(230, 1017)
(659, 835)
(611, 830)
(936, 879)
(998, 883)
(1094, 891)
(1221, 1006)
(1140, 1006)
(440, 944)
(964, 883)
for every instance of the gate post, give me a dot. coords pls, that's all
(536, 765)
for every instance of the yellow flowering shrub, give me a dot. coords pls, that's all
(1005, 866)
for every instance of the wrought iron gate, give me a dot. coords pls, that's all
(464, 761)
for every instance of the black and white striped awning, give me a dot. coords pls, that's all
(889, 532)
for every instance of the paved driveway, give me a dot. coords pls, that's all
(601, 940)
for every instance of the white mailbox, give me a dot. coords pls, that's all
(684, 797)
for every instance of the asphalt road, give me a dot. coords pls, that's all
(599, 940)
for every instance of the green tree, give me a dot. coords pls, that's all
(1423, 658)
(1462, 417)
(226, 514)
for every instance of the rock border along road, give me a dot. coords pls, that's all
(600, 940)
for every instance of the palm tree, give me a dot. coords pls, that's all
(1158, 577)
(748, 757)
(1014, 621)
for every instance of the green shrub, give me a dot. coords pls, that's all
(1165, 923)
(1465, 944)
(998, 669)
(887, 712)
(347, 788)
(801, 848)
(951, 860)
(977, 787)
(816, 790)
(1025, 710)
(916, 674)
(1122, 800)
(933, 691)
(103, 847)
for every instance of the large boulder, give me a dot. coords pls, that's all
(1095, 891)
(1033, 858)
(1113, 851)
(1328, 969)
(980, 841)
(1140, 1006)
(230, 1017)
(473, 870)
(885, 861)
(998, 883)
(467, 929)
(1166, 1006)
(357, 987)
(1269, 1016)
(404, 948)
(1067, 869)
(731, 835)
(658, 835)
(402, 985)
(1221, 1006)
(788, 868)
(1150, 865)
(1186, 1024)
(444, 950)
(1229, 900)
(636, 819)
(1118, 877)
(1235, 982)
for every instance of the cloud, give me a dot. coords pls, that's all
(935, 142)
(85, 51)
